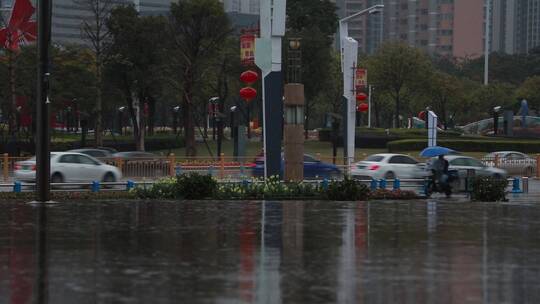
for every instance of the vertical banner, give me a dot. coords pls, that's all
(361, 80)
(247, 49)
(432, 129)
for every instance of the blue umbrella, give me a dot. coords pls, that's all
(436, 151)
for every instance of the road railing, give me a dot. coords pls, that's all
(515, 185)
(522, 166)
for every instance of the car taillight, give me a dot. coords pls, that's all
(374, 167)
(18, 167)
(33, 167)
(250, 165)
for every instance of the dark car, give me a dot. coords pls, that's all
(143, 164)
(135, 155)
(98, 153)
(313, 168)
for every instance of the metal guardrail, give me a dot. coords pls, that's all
(518, 185)
(514, 165)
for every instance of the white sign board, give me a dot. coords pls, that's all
(350, 55)
(432, 129)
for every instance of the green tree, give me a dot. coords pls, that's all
(530, 90)
(401, 72)
(95, 30)
(484, 98)
(198, 29)
(135, 61)
(315, 22)
(446, 94)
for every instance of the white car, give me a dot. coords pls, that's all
(388, 166)
(69, 167)
(464, 163)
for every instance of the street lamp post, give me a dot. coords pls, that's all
(349, 54)
(218, 121)
(120, 120)
(75, 115)
(176, 111)
(486, 42)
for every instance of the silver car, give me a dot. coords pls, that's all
(514, 162)
(464, 163)
(69, 167)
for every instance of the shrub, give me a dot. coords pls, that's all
(488, 189)
(379, 138)
(468, 145)
(191, 186)
(195, 186)
(164, 188)
(347, 190)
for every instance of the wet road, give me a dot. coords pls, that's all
(292, 252)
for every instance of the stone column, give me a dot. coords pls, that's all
(294, 132)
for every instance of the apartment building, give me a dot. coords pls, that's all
(68, 15)
(250, 7)
(516, 25)
(448, 27)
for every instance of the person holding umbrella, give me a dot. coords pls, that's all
(440, 180)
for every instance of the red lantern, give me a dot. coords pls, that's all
(248, 93)
(249, 77)
(363, 107)
(361, 97)
(422, 115)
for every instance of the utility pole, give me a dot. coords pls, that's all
(486, 42)
(43, 103)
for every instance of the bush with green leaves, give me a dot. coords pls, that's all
(191, 186)
(195, 186)
(164, 189)
(488, 189)
(347, 190)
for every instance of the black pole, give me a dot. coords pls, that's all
(273, 86)
(42, 102)
(335, 130)
(248, 120)
(495, 123)
(219, 127)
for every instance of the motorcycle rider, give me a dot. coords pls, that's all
(440, 176)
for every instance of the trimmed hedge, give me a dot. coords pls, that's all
(151, 144)
(378, 138)
(468, 145)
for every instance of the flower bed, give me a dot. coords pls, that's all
(196, 186)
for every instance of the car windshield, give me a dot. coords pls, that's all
(374, 158)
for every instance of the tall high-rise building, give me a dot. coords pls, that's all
(67, 17)
(448, 27)
(516, 25)
(241, 6)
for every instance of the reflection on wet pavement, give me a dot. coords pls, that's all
(271, 252)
